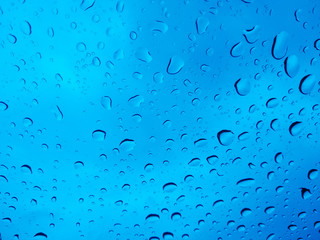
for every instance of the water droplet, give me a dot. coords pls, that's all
(120, 6)
(280, 45)
(153, 218)
(225, 137)
(246, 212)
(159, 26)
(272, 103)
(212, 160)
(158, 77)
(26, 168)
(40, 235)
(87, 4)
(144, 55)
(136, 100)
(3, 178)
(295, 128)
(127, 144)
(78, 164)
(307, 83)
(202, 24)
(57, 113)
(237, 50)
(194, 162)
(291, 65)
(305, 193)
(317, 44)
(292, 227)
(99, 135)
(269, 210)
(270, 236)
(106, 102)
(12, 38)
(218, 203)
(27, 122)
(169, 187)
(313, 174)
(3, 106)
(242, 87)
(26, 28)
(81, 47)
(200, 142)
(246, 182)
(278, 157)
(175, 216)
(175, 65)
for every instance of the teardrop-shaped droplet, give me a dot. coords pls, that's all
(237, 50)
(272, 103)
(307, 83)
(202, 24)
(291, 65)
(26, 28)
(175, 65)
(280, 45)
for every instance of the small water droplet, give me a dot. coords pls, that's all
(246, 182)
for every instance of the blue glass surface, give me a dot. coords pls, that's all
(159, 119)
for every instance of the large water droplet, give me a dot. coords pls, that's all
(99, 135)
(169, 187)
(202, 24)
(295, 128)
(291, 65)
(242, 86)
(307, 83)
(280, 45)
(175, 65)
(313, 174)
(127, 144)
(225, 137)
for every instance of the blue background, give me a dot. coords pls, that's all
(154, 119)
